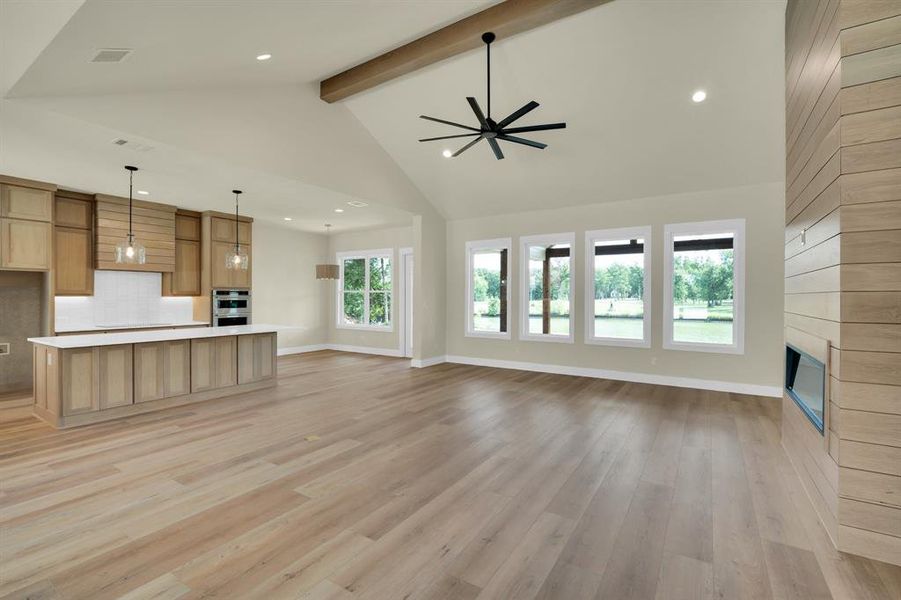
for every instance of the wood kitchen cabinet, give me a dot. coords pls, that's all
(162, 370)
(25, 245)
(222, 229)
(213, 363)
(18, 202)
(219, 239)
(185, 279)
(95, 378)
(114, 375)
(256, 357)
(74, 249)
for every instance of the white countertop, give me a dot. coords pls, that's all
(89, 328)
(160, 335)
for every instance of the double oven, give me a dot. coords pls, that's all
(231, 307)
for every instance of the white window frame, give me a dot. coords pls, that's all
(606, 235)
(545, 240)
(339, 290)
(737, 228)
(471, 248)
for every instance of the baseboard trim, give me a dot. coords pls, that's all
(685, 382)
(301, 349)
(427, 362)
(366, 350)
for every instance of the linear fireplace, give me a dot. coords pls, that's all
(805, 382)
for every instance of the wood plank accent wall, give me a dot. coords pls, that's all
(153, 225)
(843, 260)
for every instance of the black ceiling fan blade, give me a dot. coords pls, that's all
(532, 105)
(535, 128)
(478, 111)
(450, 123)
(496, 147)
(467, 147)
(447, 137)
(523, 141)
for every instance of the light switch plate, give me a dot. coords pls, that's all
(4, 349)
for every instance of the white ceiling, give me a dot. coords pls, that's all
(621, 75)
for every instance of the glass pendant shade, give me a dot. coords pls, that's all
(236, 259)
(128, 251)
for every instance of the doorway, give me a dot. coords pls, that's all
(406, 342)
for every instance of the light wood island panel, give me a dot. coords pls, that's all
(81, 385)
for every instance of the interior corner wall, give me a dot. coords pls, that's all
(759, 368)
(429, 287)
(285, 288)
(378, 342)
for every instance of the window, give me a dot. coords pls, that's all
(618, 287)
(364, 290)
(704, 286)
(487, 292)
(548, 288)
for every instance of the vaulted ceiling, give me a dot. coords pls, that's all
(203, 116)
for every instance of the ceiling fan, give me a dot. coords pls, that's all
(488, 128)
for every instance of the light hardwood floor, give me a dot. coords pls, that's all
(358, 477)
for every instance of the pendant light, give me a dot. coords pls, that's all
(237, 258)
(128, 251)
(327, 271)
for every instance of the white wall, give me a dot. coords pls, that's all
(376, 239)
(762, 206)
(285, 288)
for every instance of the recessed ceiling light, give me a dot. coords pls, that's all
(339, 210)
(699, 96)
(287, 218)
(143, 192)
(447, 153)
(264, 57)
(357, 203)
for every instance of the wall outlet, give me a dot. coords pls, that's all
(4, 349)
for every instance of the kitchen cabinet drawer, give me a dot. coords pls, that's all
(25, 203)
(25, 245)
(74, 249)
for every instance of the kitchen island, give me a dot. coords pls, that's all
(82, 379)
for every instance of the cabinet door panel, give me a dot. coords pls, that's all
(226, 371)
(240, 278)
(220, 276)
(177, 366)
(185, 280)
(74, 261)
(149, 370)
(223, 230)
(202, 365)
(25, 203)
(115, 383)
(25, 245)
(256, 357)
(71, 212)
(187, 227)
(79, 390)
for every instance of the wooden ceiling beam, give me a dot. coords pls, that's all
(505, 20)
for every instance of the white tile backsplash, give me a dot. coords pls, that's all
(122, 298)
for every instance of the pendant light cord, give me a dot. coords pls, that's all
(489, 78)
(131, 235)
(237, 246)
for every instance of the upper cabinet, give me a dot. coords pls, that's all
(185, 279)
(26, 236)
(73, 243)
(153, 226)
(219, 240)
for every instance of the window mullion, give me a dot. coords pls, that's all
(366, 292)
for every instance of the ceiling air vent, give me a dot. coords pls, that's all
(120, 141)
(357, 203)
(111, 55)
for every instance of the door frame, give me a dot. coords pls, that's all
(405, 349)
